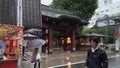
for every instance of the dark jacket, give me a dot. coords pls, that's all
(97, 59)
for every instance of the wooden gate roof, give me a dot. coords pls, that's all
(61, 14)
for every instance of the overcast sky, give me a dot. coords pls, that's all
(46, 2)
(115, 0)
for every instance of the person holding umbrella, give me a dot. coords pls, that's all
(35, 60)
(37, 43)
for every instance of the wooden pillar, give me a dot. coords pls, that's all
(50, 40)
(73, 40)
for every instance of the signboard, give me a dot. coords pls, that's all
(60, 24)
(9, 31)
(12, 36)
(117, 34)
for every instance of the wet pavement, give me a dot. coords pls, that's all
(114, 62)
(65, 59)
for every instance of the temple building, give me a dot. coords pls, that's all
(63, 22)
(50, 20)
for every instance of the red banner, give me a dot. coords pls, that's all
(10, 31)
(13, 36)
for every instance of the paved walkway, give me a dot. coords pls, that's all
(61, 57)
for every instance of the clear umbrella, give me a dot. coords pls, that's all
(37, 42)
(32, 30)
(27, 35)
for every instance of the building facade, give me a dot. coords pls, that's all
(102, 3)
(53, 20)
(106, 8)
(8, 12)
(30, 12)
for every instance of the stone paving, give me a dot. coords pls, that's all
(61, 57)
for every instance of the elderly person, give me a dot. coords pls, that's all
(96, 57)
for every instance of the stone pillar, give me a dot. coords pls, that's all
(117, 41)
(101, 41)
(117, 44)
(50, 40)
(73, 40)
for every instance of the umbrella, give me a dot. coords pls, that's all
(2, 44)
(96, 35)
(28, 35)
(37, 42)
(32, 30)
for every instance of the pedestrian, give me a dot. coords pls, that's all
(6, 51)
(36, 57)
(96, 57)
(1, 56)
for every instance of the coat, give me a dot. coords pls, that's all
(97, 59)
